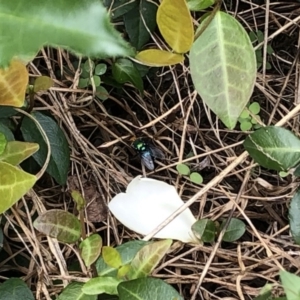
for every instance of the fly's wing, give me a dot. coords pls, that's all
(147, 160)
(156, 152)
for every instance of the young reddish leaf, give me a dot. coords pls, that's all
(14, 184)
(91, 249)
(148, 258)
(59, 224)
(13, 84)
(159, 58)
(175, 24)
(112, 257)
(42, 83)
(15, 152)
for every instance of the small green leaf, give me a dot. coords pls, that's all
(148, 288)
(123, 271)
(15, 289)
(245, 125)
(291, 285)
(183, 169)
(59, 163)
(135, 20)
(3, 142)
(127, 252)
(100, 69)
(234, 231)
(148, 258)
(283, 174)
(78, 199)
(42, 83)
(254, 108)
(100, 285)
(73, 291)
(274, 148)
(91, 248)
(196, 5)
(204, 230)
(123, 71)
(14, 184)
(112, 257)
(83, 83)
(294, 212)
(196, 178)
(89, 66)
(59, 224)
(244, 114)
(97, 80)
(102, 93)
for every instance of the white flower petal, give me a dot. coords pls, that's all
(147, 203)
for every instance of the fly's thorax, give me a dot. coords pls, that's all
(140, 145)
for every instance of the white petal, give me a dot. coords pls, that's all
(147, 203)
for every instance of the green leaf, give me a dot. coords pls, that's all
(83, 83)
(183, 169)
(124, 70)
(78, 199)
(246, 125)
(82, 27)
(147, 289)
(291, 285)
(196, 178)
(119, 7)
(100, 69)
(254, 108)
(102, 93)
(91, 249)
(89, 66)
(100, 285)
(73, 292)
(159, 58)
(223, 67)
(59, 224)
(175, 24)
(15, 289)
(7, 132)
(3, 143)
(16, 152)
(274, 148)
(97, 80)
(204, 230)
(111, 257)
(15, 183)
(197, 5)
(60, 154)
(234, 231)
(294, 213)
(148, 258)
(42, 83)
(297, 171)
(245, 114)
(135, 28)
(127, 252)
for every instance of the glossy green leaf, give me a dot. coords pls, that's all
(147, 289)
(223, 67)
(205, 230)
(159, 58)
(3, 143)
(60, 154)
(127, 252)
(196, 178)
(7, 132)
(15, 183)
(112, 257)
(254, 108)
(274, 148)
(291, 285)
(294, 213)
(135, 26)
(197, 5)
(124, 70)
(84, 28)
(234, 231)
(15, 289)
(148, 258)
(73, 292)
(15, 152)
(119, 8)
(100, 285)
(42, 83)
(100, 69)
(91, 248)
(175, 24)
(59, 224)
(183, 169)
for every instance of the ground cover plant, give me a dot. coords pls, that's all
(199, 97)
